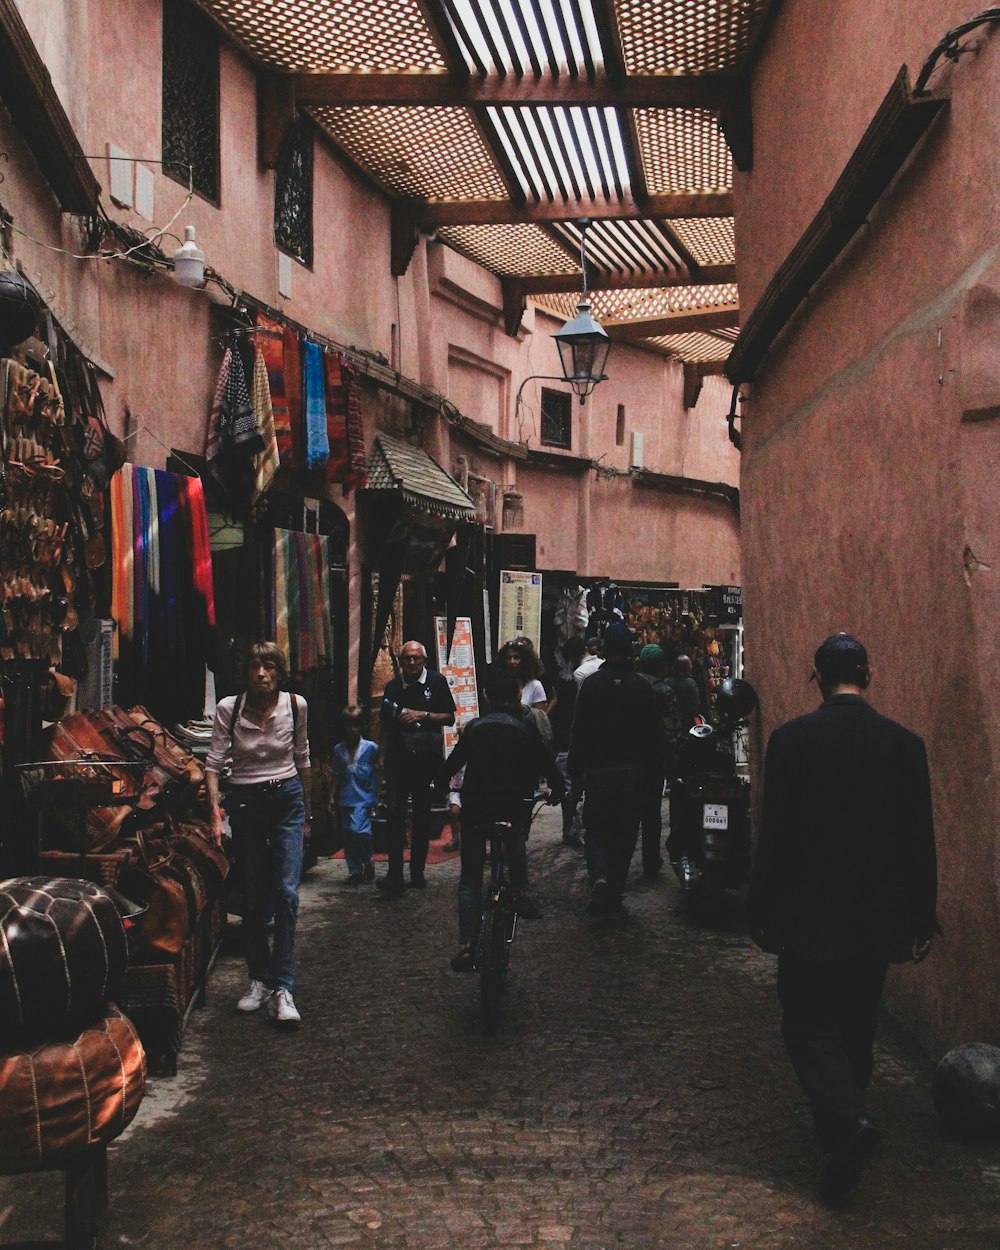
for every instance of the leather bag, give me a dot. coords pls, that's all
(169, 748)
(171, 889)
(76, 738)
(63, 957)
(63, 1097)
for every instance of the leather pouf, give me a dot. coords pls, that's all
(60, 1098)
(63, 957)
(966, 1090)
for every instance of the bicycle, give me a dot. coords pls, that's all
(499, 922)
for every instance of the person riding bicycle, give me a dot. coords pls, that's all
(504, 756)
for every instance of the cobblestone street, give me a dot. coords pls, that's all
(636, 1095)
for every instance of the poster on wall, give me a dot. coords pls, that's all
(460, 671)
(520, 606)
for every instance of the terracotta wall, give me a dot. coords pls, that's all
(868, 494)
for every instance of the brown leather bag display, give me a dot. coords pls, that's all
(193, 840)
(76, 738)
(170, 887)
(63, 957)
(62, 1097)
(188, 765)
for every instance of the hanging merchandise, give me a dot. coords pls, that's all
(314, 406)
(344, 424)
(234, 438)
(162, 590)
(265, 462)
(36, 577)
(297, 599)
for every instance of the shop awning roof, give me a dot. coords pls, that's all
(395, 465)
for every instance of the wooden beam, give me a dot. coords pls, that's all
(606, 20)
(436, 213)
(40, 117)
(438, 87)
(897, 127)
(404, 233)
(276, 110)
(514, 305)
(695, 372)
(441, 32)
(703, 319)
(736, 123)
(559, 283)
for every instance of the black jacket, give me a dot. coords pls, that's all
(616, 725)
(503, 756)
(846, 861)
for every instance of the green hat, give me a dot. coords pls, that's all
(651, 652)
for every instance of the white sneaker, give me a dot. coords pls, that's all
(283, 1009)
(256, 996)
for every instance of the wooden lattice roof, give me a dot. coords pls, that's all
(501, 123)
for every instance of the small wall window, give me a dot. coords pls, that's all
(293, 192)
(620, 427)
(190, 97)
(557, 412)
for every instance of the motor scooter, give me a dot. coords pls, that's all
(709, 845)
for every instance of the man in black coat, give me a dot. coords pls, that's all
(844, 883)
(615, 751)
(416, 706)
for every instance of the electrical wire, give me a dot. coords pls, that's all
(949, 47)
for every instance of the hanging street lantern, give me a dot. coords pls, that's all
(583, 344)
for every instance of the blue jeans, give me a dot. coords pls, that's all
(267, 836)
(470, 882)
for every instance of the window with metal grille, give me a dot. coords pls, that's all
(557, 412)
(293, 192)
(190, 97)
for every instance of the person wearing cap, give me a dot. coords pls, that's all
(844, 883)
(650, 667)
(616, 749)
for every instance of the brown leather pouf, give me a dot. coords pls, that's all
(61, 1098)
(63, 957)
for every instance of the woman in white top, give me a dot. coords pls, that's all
(264, 733)
(525, 665)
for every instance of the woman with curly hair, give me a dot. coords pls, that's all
(520, 658)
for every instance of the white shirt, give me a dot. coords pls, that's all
(273, 751)
(590, 665)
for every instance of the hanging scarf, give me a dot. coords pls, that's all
(192, 500)
(266, 461)
(314, 406)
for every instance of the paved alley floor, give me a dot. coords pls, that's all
(635, 1095)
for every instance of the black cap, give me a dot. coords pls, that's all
(841, 659)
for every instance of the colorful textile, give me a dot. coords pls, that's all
(299, 609)
(280, 349)
(346, 463)
(265, 462)
(161, 589)
(314, 406)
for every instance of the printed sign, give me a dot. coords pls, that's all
(520, 606)
(460, 671)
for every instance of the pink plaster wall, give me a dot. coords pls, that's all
(868, 503)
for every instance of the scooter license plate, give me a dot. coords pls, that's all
(716, 816)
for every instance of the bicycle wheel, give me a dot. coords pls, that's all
(492, 964)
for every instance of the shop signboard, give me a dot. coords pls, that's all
(728, 603)
(460, 671)
(520, 606)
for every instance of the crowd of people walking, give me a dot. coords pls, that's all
(843, 787)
